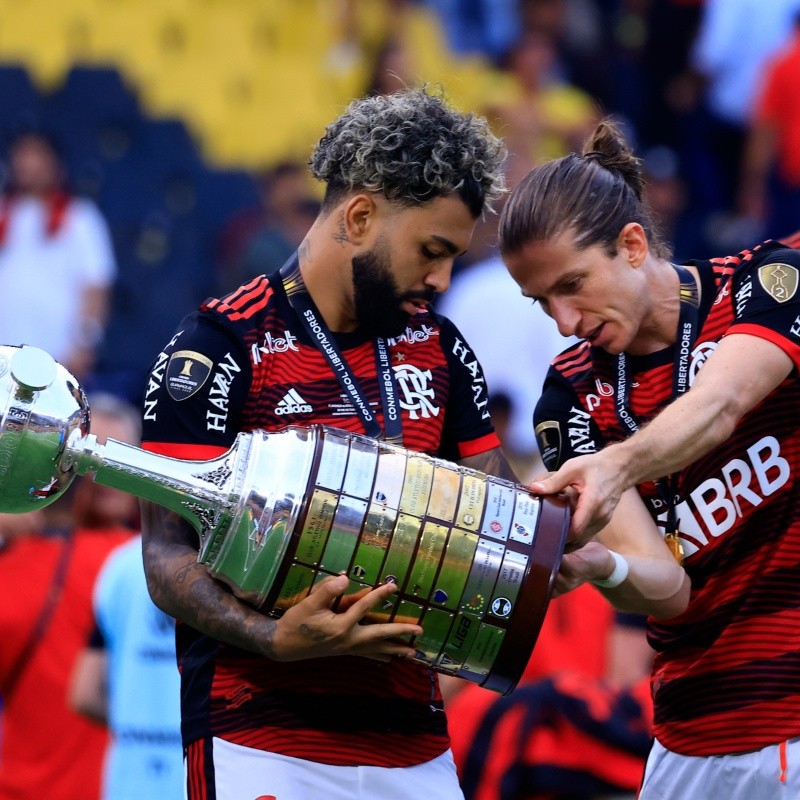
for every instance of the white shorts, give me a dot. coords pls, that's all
(772, 773)
(242, 773)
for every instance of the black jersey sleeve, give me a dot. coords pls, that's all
(564, 428)
(468, 428)
(197, 386)
(767, 299)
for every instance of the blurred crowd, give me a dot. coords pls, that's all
(105, 243)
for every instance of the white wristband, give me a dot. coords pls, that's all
(621, 568)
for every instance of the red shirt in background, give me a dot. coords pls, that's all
(46, 749)
(778, 106)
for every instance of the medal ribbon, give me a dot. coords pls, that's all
(688, 326)
(310, 318)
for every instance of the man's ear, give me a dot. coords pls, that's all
(633, 239)
(359, 217)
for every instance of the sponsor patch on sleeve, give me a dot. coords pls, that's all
(186, 373)
(548, 434)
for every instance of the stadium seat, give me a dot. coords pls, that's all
(21, 101)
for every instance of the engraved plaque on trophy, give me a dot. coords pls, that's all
(474, 556)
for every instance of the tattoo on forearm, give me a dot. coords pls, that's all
(492, 462)
(182, 572)
(183, 587)
(269, 638)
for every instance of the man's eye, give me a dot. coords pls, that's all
(428, 253)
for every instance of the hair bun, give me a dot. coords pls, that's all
(596, 155)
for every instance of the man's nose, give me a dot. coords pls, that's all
(567, 318)
(439, 277)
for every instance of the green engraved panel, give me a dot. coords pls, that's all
(482, 576)
(319, 519)
(458, 556)
(384, 611)
(344, 534)
(417, 486)
(297, 585)
(459, 642)
(404, 539)
(444, 494)
(408, 612)
(426, 563)
(471, 502)
(436, 626)
(374, 543)
(484, 649)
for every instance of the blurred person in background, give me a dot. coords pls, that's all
(578, 724)
(667, 195)
(478, 27)
(586, 35)
(127, 677)
(770, 183)
(392, 68)
(540, 115)
(47, 575)
(258, 243)
(514, 342)
(727, 86)
(56, 258)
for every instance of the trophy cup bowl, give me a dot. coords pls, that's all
(474, 556)
(43, 407)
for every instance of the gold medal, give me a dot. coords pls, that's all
(675, 547)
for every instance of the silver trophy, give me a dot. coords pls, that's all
(474, 556)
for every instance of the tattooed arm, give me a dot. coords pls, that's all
(492, 462)
(184, 589)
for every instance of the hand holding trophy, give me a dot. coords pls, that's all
(474, 557)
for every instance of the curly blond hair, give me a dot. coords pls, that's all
(411, 147)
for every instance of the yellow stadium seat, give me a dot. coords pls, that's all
(257, 79)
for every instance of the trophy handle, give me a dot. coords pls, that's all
(243, 504)
(200, 491)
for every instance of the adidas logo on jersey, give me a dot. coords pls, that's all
(292, 403)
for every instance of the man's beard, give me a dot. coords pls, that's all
(377, 298)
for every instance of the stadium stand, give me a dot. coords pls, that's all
(165, 110)
(165, 205)
(255, 82)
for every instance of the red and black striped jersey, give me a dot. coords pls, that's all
(726, 675)
(245, 362)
